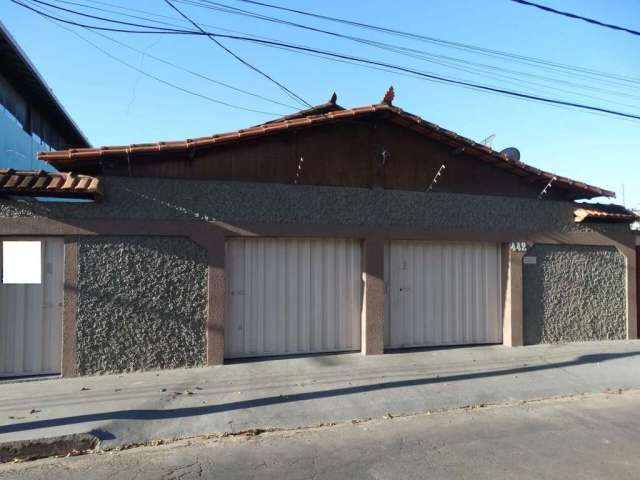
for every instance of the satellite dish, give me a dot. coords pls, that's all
(511, 153)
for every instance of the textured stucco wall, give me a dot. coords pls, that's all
(142, 304)
(574, 293)
(237, 202)
(142, 301)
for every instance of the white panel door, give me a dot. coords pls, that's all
(291, 296)
(31, 318)
(442, 293)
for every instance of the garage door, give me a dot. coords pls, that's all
(442, 294)
(292, 296)
(31, 307)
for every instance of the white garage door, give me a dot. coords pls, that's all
(289, 296)
(31, 307)
(442, 294)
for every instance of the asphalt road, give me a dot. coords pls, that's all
(588, 437)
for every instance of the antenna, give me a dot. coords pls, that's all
(488, 142)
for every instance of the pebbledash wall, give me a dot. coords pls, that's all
(574, 293)
(142, 300)
(142, 304)
(238, 202)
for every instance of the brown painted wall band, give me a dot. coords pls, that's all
(211, 236)
(70, 308)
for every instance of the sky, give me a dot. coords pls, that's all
(114, 104)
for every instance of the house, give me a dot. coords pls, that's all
(333, 229)
(31, 117)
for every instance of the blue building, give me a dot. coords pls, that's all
(31, 117)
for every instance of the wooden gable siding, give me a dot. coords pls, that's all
(348, 153)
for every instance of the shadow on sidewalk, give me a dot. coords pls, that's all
(157, 414)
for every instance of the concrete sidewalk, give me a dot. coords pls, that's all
(296, 392)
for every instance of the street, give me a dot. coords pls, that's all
(590, 437)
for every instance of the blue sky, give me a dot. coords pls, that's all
(116, 105)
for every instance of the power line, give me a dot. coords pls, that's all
(106, 10)
(410, 75)
(374, 43)
(422, 55)
(95, 27)
(161, 80)
(95, 17)
(443, 60)
(452, 44)
(196, 74)
(424, 75)
(237, 57)
(440, 42)
(577, 17)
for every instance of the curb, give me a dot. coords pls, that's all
(24, 450)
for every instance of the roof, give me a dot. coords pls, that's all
(18, 69)
(77, 159)
(604, 213)
(39, 183)
(330, 106)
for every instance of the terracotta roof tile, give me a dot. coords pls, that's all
(604, 213)
(80, 158)
(49, 184)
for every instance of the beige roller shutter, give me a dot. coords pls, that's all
(292, 296)
(31, 313)
(442, 293)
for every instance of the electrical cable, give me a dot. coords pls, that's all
(452, 44)
(161, 80)
(237, 57)
(577, 17)
(425, 75)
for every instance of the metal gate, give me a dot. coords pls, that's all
(290, 296)
(31, 316)
(442, 293)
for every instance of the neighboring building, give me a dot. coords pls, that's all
(322, 231)
(31, 118)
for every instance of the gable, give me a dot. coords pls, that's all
(373, 153)
(343, 147)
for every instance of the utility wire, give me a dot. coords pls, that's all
(478, 50)
(96, 27)
(439, 41)
(161, 80)
(443, 60)
(75, 12)
(424, 75)
(237, 57)
(195, 74)
(577, 17)
(474, 68)
(107, 10)
(402, 50)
